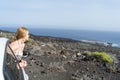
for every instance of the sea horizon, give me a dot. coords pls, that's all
(101, 36)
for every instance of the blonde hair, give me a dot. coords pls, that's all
(20, 33)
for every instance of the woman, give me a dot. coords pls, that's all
(18, 44)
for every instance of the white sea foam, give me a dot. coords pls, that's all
(115, 45)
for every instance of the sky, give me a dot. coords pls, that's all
(66, 14)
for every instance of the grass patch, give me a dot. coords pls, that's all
(30, 40)
(103, 55)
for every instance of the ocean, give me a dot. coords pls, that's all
(102, 36)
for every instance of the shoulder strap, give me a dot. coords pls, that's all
(17, 61)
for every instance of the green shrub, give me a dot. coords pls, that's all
(104, 56)
(30, 40)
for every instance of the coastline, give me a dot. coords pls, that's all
(107, 37)
(105, 43)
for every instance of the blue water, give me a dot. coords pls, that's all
(104, 36)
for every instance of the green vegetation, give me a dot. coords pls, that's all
(1, 34)
(30, 40)
(104, 56)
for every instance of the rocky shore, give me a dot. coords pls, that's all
(52, 58)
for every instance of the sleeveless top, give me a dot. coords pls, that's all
(18, 53)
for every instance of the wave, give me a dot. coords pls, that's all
(115, 45)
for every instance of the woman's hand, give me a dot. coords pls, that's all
(22, 64)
